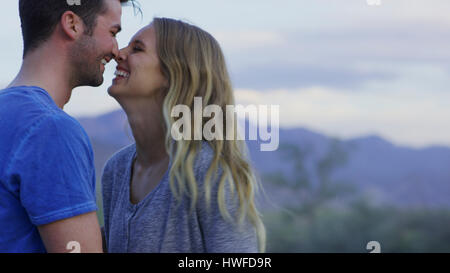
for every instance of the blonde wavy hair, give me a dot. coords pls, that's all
(193, 62)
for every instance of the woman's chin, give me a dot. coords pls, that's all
(115, 90)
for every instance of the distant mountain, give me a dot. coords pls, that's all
(111, 128)
(387, 173)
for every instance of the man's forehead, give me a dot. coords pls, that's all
(113, 11)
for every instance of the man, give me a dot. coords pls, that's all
(47, 176)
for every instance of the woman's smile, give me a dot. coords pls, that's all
(121, 74)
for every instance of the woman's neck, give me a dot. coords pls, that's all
(146, 122)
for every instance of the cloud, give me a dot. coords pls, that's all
(344, 58)
(394, 109)
(282, 75)
(247, 40)
(341, 67)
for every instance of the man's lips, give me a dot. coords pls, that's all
(106, 60)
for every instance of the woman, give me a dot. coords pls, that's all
(163, 195)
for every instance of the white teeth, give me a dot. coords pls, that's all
(104, 62)
(121, 73)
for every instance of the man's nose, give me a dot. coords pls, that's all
(115, 51)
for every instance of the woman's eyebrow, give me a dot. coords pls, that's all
(137, 41)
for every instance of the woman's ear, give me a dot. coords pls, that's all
(72, 25)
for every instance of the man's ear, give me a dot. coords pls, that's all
(72, 25)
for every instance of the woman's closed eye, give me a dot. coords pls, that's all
(137, 46)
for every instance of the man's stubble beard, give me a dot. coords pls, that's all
(85, 63)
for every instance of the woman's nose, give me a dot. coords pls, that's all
(121, 56)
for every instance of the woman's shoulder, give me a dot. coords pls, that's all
(204, 156)
(202, 163)
(120, 159)
(203, 160)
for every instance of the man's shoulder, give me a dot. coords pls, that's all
(32, 105)
(30, 111)
(56, 132)
(64, 124)
(28, 94)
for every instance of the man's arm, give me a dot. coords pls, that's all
(83, 229)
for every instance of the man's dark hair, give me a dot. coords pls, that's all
(39, 17)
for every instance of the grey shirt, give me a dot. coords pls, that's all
(159, 223)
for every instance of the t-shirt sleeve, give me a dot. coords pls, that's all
(221, 235)
(55, 169)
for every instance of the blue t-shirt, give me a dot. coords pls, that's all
(46, 167)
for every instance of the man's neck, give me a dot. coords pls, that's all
(42, 69)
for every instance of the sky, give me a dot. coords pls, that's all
(342, 68)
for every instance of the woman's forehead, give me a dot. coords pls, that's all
(146, 34)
